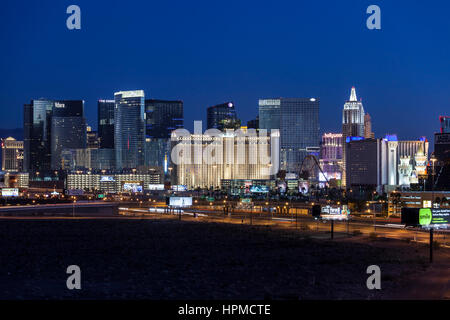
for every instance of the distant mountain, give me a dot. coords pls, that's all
(15, 133)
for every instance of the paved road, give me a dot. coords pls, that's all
(315, 228)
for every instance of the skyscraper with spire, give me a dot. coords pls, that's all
(352, 124)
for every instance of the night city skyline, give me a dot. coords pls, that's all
(238, 61)
(215, 160)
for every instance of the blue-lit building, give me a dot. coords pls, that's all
(105, 123)
(298, 122)
(68, 129)
(269, 114)
(37, 135)
(222, 116)
(162, 117)
(445, 124)
(129, 129)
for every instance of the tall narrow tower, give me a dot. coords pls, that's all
(352, 124)
(129, 130)
(368, 134)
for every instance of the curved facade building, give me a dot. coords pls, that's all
(37, 135)
(129, 128)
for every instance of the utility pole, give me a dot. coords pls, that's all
(433, 160)
(431, 245)
(332, 229)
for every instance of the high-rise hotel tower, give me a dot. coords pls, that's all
(352, 124)
(129, 129)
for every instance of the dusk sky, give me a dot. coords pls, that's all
(209, 52)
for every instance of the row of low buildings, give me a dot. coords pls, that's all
(113, 182)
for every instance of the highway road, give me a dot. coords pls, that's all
(315, 228)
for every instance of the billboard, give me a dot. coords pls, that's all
(106, 179)
(334, 212)
(133, 187)
(282, 187)
(303, 187)
(259, 189)
(179, 188)
(74, 192)
(180, 202)
(10, 192)
(155, 187)
(434, 217)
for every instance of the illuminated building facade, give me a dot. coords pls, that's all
(208, 159)
(396, 163)
(368, 134)
(12, 155)
(92, 141)
(413, 155)
(88, 158)
(331, 156)
(414, 199)
(16, 180)
(111, 182)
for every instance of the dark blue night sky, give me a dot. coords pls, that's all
(209, 52)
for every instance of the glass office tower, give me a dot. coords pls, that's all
(162, 117)
(445, 124)
(269, 113)
(129, 129)
(298, 122)
(68, 129)
(299, 132)
(37, 135)
(105, 123)
(222, 116)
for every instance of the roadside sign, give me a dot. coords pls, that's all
(434, 217)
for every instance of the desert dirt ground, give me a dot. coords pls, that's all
(171, 259)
